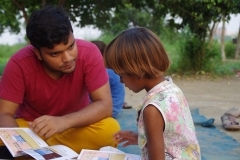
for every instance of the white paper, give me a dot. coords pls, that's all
(108, 154)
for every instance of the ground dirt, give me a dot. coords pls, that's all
(213, 97)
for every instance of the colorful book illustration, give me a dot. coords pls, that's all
(22, 141)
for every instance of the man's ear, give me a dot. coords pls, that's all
(38, 54)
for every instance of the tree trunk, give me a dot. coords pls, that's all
(213, 32)
(222, 40)
(238, 45)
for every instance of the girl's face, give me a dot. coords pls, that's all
(132, 82)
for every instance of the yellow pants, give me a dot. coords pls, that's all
(94, 136)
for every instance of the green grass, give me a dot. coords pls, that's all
(3, 62)
(6, 52)
(226, 68)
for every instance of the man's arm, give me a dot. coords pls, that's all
(100, 108)
(7, 112)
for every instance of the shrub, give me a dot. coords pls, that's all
(230, 50)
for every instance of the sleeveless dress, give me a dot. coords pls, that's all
(179, 134)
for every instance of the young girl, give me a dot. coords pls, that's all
(165, 125)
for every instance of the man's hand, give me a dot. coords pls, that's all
(129, 137)
(48, 125)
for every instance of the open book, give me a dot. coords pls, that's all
(106, 153)
(23, 141)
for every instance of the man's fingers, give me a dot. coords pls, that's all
(39, 127)
(30, 124)
(44, 131)
(49, 133)
(46, 126)
(37, 121)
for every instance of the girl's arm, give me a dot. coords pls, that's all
(154, 126)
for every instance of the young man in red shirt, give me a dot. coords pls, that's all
(46, 86)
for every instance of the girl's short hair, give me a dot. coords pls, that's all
(137, 51)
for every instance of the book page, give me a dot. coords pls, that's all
(111, 149)
(19, 139)
(96, 155)
(57, 152)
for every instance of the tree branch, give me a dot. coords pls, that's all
(61, 2)
(43, 3)
(23, 11)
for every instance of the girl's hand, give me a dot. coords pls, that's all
(128, 137)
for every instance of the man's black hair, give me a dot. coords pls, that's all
(48, 27)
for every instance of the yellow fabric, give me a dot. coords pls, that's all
(94, 136)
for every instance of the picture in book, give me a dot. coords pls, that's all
(96, 155)
(52, 152)
(24, 142)
(18, 140)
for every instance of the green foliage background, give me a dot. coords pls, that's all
(186, 42)
(177, 46)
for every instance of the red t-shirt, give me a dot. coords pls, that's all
(25, 82)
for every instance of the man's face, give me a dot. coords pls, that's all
(59, 60)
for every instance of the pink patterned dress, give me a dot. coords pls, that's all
(179, 135)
